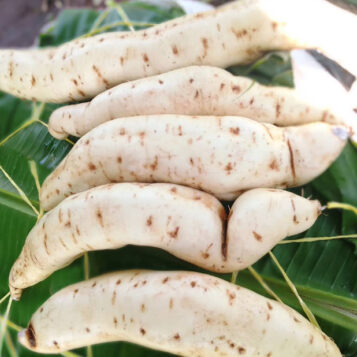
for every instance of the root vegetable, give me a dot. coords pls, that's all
(220, 155)
(237, 33)
(196, 90)
(185, 313)
(188, 223)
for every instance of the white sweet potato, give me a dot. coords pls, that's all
(195, 90)
(237, 33)
(220, 155)
(188, 223)
(185, 313)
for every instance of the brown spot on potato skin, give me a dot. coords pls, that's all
(119, 159)
(292, 163)
(228, 168)
(231, 296)
(145, 58)
(257, 236)
(143, 308)
(174, 233)
(241, 350)
(294, 209)
(274, 165)
(118, 282)
(205, 46)
(100, 217)
(94, 284)
(191, 80)
(171, 304)
(45, 243)
(174, 50)
(160, 81)
(193, 284)
(115, 321)
(121, 60)
(30, 335)
(274, 25)
(239, 34)
(270, 307)
(153, 166)
(311, 339)
(60, 216)
(177, 337)
(91, 166)
(173, 189)
(142, 331)
(234, 131)
(149, 221)
(277, 110)
(87, 329)
(99, 75)
(114, 297)
(33, 81)
(122, 131)
(236, 89)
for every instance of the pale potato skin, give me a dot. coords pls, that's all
(220, 155)
(188, 223)
(195, 90)
(185, 313)
(238, 33)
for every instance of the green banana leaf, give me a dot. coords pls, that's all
(323, 272)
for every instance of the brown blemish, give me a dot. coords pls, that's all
(231, 296)
(257, 236)
(142, 331)
(193, 284)
(114, 297)
(149, 221)
(33, 81)
(251, 101)
(56, 344)
(174, 233)
(236, 89)
(118, 282)
(205, 46)
(87, 329)
(292, 164)
(91, 166)
(234, 131)
(239, 34)
(121, 60)
(277, 110)
(270, 307)
(153, 166)
(274, 25)
(165, 280)
(161, 82)
(228, 168)
(274, 165)
(311, 339)
(115, 321)
(241, 350)
(196, 94)
(45, 243)
(94, 284)
(294, 209)
(174, 50)
(296, 320)
(143, 308)
(78, 231)
(145, 58)
(30, 335)
(122, 131)
(100, 217)
(96, 70)
(191, 80)
(119, 159)
(171, 304)
(177, 337)
(173, 189)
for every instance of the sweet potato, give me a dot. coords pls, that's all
(185, 313)
(237, 33)
(188, 223)
(220, 155)
(195, 90)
